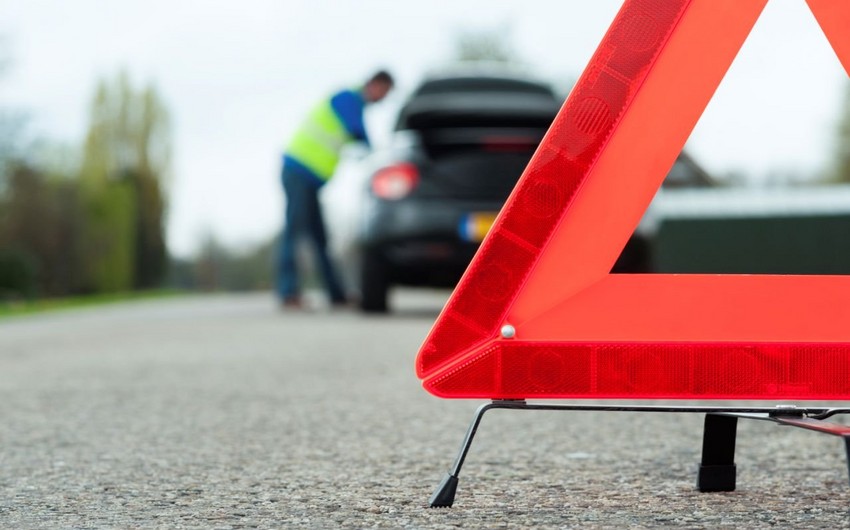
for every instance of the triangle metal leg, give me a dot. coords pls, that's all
(717, 470)
(444, 495)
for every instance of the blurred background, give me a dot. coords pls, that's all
(140, 142)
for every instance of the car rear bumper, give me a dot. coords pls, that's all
(424, 242)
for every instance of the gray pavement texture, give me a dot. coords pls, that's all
(222, 412)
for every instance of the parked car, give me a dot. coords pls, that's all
(460, 144)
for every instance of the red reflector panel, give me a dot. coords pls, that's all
(477, 305)
(550, 182)
(520, 370)
(573, 330)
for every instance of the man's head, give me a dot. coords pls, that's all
(377, 87)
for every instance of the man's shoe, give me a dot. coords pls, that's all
(291, 303)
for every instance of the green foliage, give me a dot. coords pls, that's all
(17, 275)
(129, 130)
(89, 222)
(149, 252)
(842, 162)
(125, 162)
(39, 217)
(107, 242)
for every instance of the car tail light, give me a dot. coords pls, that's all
(396, 181)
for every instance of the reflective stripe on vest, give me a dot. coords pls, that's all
(318, 141)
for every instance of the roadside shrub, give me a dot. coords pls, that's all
(18, 275)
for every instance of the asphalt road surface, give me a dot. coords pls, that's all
(223, 412)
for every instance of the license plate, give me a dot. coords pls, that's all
(474, 226)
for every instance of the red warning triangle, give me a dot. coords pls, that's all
(538, 315)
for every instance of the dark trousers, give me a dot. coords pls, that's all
(303, 219)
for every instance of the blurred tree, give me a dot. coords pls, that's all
(38, 233)
(488, 45)
(17, 275)
(124, 170)
(495, 46)
(150, 253)
(208, 264)
(57, 160)
(105, 252)
(217, 268)
(12, 122)
(38, 211)
(129, 130)
(250, 269)
(12, 129)
(842, 162)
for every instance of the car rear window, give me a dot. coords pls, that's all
(481, 102)
(481, 84)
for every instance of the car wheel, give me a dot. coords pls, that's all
(374, 283)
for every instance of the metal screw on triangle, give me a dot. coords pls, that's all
(508, 331)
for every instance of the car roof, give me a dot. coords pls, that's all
(471, 97)
(481, 83)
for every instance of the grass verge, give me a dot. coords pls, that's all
(28, 307)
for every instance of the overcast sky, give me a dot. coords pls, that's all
(237, 77)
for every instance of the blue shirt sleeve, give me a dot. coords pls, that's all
(349, 106)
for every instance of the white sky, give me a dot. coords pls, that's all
(237, 77)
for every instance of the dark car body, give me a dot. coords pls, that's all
(461, 143)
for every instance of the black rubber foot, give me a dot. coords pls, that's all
(444, 496)
(716, 478)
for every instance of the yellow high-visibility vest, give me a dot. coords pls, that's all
(319, 140)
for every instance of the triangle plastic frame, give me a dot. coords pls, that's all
(537, 314)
